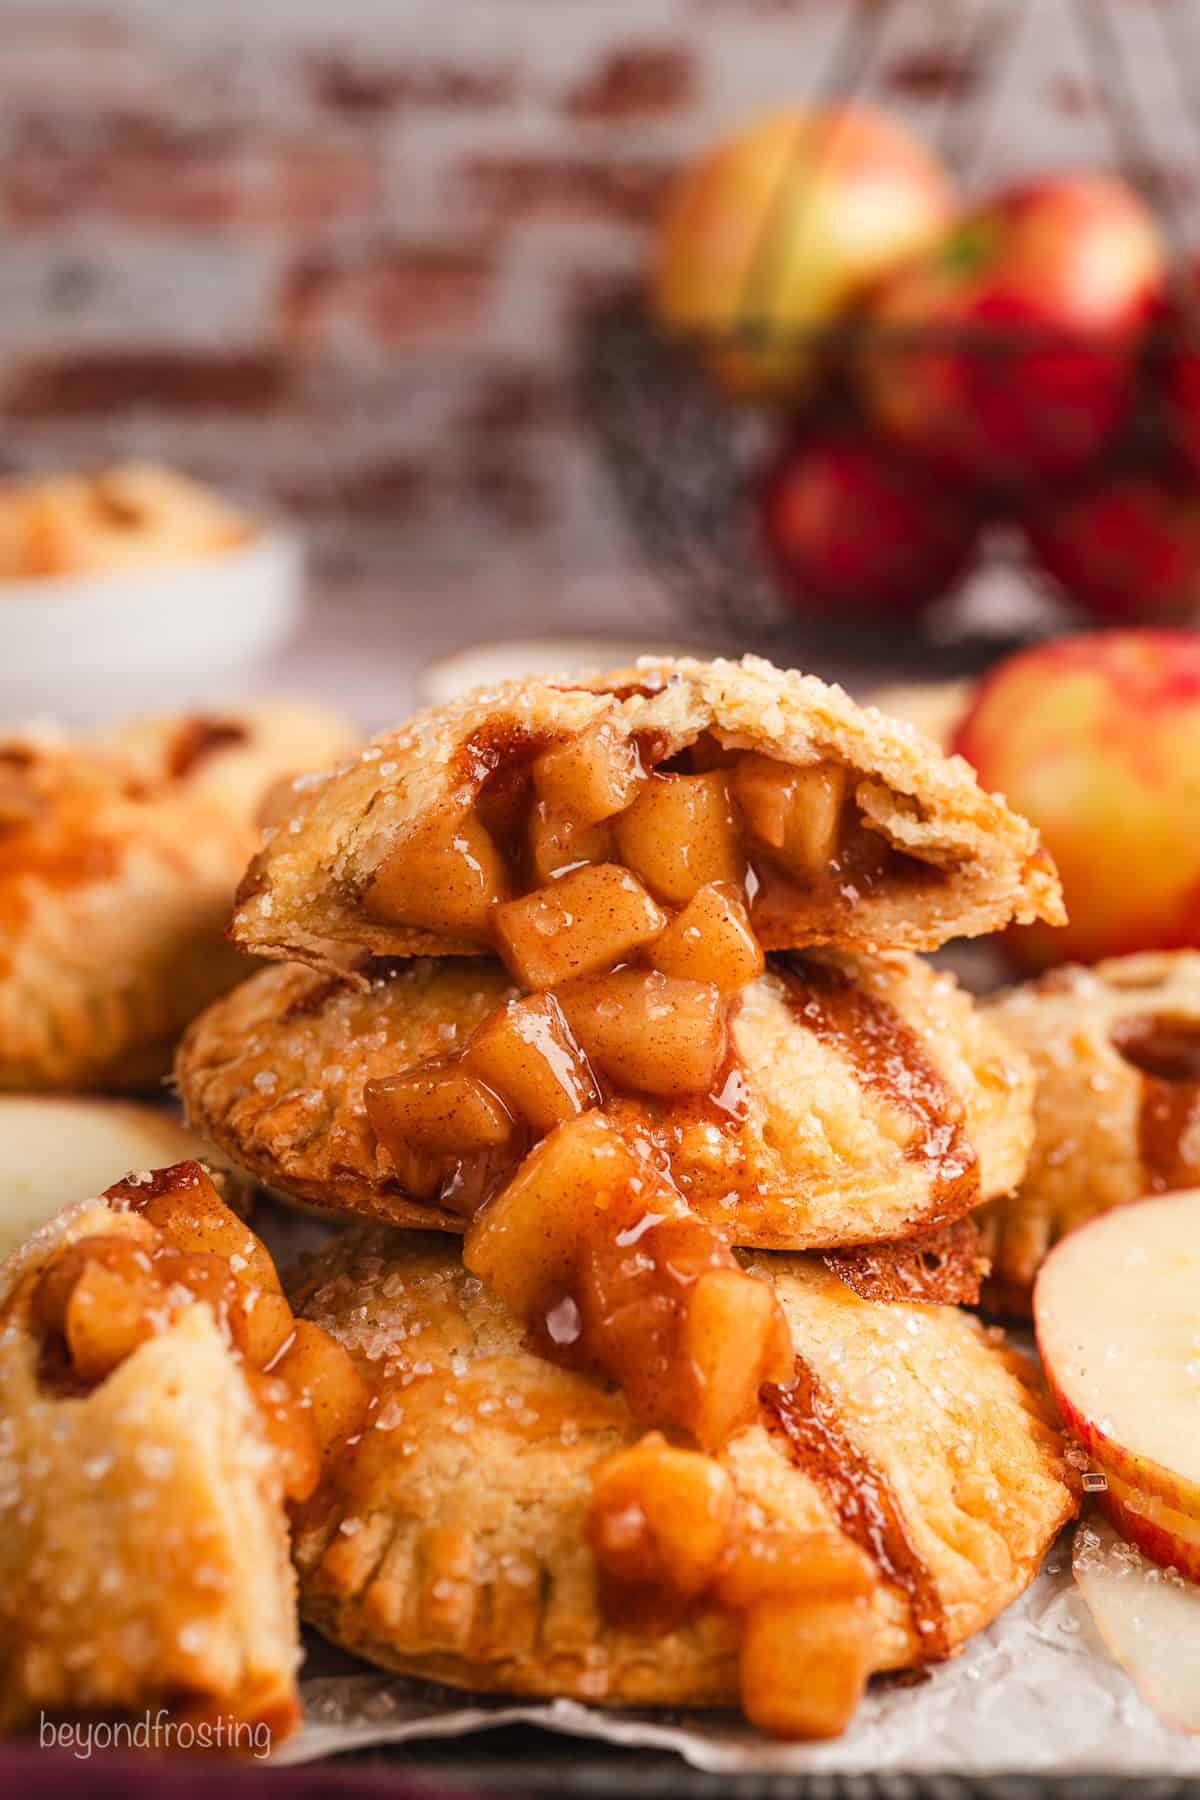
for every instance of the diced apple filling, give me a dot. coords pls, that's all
(667, 1523)
(443, 1110)
(584, 922)
(680, 834)
(590, 1245)
(796, 812)
(649, 1032)
(557, 842)
(590, 777)
(662, 1517)
(526, 1053)
(712, 940)
(103, 1295)
(446, 876)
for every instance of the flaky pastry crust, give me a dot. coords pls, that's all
(450, 1542)
(143, 1538)
(973, 865)
(1116, 1053)
(118, 862)
(880, 1102)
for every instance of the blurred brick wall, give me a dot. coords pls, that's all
(335, 252)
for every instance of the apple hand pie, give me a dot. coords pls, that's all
(480, 825)
(1116, 1051)
(160, 1406)
(852, 1099)
(117, 871)
(503, 1524)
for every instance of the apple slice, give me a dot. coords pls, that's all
(1117, 1314)
(1150, 1620)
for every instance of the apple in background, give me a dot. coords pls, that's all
(1007, 353)
(1127, 548)
(1116, 1310)
(1096, 739)
(1182, 375)
(783, 226)
(850, 526)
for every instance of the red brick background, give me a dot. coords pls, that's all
(335, 254)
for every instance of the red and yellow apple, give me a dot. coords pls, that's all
(1096, 739)
(1182, 381)
(1127, 548)
(775, 232)
(1117, 1314)
(849, 525)
(1007, 353)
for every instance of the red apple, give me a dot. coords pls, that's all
(1181, 327)
(1096, 739)
(1127, 548)
(848, 525)
(1149, 1621)
(1117, 1313)
(777, 230)
(1007, 353)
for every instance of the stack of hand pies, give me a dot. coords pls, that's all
(643, 1376)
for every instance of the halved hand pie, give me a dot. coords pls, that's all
(160, 1404)
(849, 1099)
(484, 824)
(1116, 1050)
(505, 1525)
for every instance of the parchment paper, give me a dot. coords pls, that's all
(1037, 1692)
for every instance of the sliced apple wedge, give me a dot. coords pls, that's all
(1148, 1617)
(1117, 1314)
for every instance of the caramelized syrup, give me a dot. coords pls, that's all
(1165, 1049)
(890, 1062)
(804, 1416)
(942, 1267)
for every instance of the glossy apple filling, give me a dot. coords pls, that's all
(102, 1296)
(669, 1533)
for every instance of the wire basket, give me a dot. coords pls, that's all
(686, 460)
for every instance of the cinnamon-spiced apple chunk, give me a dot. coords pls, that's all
(892, 1490)
(161, 1406)
(836, 1099)
(564, 825)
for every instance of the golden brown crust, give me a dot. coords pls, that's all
(451, 1544)
(1106, 1131)
(143, 1539)
(974, 864)
(832, 1150)
(118, 862)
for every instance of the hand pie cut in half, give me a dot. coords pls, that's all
(481, 825)
(848, 1099)
(117, 872)
(1116, 1052)
(160, 1407)
(505, 1525)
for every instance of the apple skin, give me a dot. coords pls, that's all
(1096, 739)
(810, 205)
(1007, 354)
(849, 526)
(1127, 549)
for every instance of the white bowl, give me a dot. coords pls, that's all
(82, 647)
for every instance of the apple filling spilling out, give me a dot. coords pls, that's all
(104, 1294)
(627, 901)
(666, 1527)
(591, 1245)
